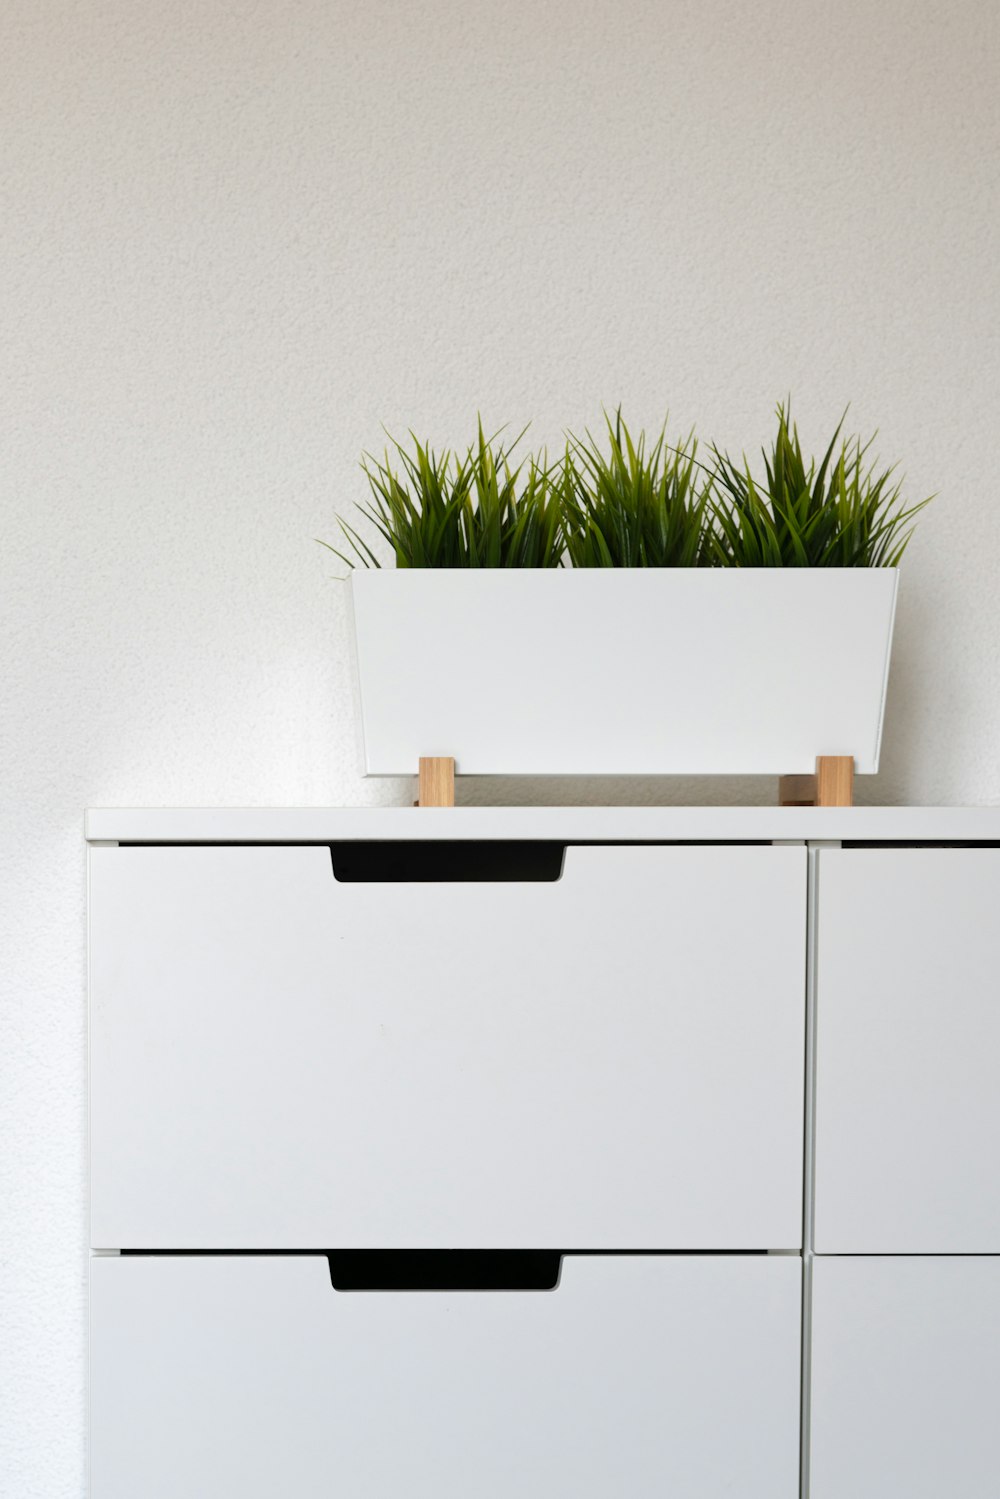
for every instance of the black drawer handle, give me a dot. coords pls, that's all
(433, 861)
(445, 1269)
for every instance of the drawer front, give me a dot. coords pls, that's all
(640, 1376)
(908, 1051)
(281, 1059)
(905, 1377)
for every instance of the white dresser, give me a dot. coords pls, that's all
(577, 1153)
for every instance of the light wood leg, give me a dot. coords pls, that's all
(797, 791)
(436, 781)
(835, 781)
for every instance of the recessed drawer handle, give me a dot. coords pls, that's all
(413, 862)
(445, 1269)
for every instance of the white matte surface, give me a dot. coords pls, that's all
(282, 1060)
(777, 666)
(908, 1051)
(567, 824)
(637, 1376)
(905, 1378)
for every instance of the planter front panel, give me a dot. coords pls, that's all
(908, 1051)
(638, 1376)
(905, 1378)
(622, 671)
(613, 1058)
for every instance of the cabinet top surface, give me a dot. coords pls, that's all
(569, 824)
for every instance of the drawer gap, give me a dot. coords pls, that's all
(901, 843)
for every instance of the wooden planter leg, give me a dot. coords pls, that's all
(797, 791)
(436, 781)
(835, 781)
(831, 786)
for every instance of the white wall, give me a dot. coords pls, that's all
(238, 236)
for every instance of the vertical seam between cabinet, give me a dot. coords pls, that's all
(809, 1160)
(809, 1141)
(805, 1414)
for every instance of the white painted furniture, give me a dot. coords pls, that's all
(264, 1381)
(908, 1051)
(905, 1377)
(620, 1041)
(578, 1062)
(778, 665)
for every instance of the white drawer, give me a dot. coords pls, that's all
(908, 1051)
(281, 1059)
(638, 1376)
(905, 1377)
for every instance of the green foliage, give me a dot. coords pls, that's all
(845, 512)
(633, 506)
(480, 510)
(628, 503)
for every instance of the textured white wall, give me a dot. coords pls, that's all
(238, 236)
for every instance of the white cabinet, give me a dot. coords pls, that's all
(905, 1378)
(908, 1051)
(640, 1376)
(610, 1059)
(320, 1052)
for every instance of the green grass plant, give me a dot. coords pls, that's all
(632, 504)
(480, 509)
(623, 501)
(845, 511)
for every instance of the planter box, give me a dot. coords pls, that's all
(655, 671)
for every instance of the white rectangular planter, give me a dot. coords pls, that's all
(656, 671)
